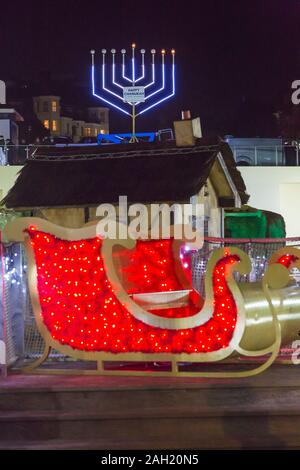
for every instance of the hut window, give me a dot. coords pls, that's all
(54, 106)
(54, 125)
(45, 107)
(46, 123)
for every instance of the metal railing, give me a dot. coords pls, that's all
(278, 155)
(15, 154)
(18, 154)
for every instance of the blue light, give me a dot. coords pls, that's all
(161, 88)
(123, 69)
(133, 70)
(121, 138)
(143, 74)
(113, 76)
(113, 72)
(102, 98)
(107, 89)
(153, 77)
(166, 97)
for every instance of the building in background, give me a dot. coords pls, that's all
(9, 119)
(264, 151)
(9, 129)
(68, 121)
(275, 189)
(271, 171)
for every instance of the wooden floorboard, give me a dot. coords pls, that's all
(112, 412)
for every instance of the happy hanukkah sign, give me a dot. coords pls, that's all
(141, 89)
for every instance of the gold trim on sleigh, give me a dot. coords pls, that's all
(268, 312)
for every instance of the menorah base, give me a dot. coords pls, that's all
(133, 139)
(125, 138)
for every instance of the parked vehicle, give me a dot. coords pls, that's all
(53, 140)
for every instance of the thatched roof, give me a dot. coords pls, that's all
(145, 172)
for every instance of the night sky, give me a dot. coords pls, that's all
(235, 59)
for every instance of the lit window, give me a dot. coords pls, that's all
(96, 131)
(54, 125)
(88, 131)
(46, 123)
(54, 106)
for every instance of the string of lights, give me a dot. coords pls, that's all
(80, 309)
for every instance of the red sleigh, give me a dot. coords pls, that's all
(126, 301)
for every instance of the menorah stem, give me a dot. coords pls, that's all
(133, 120)
(133, 137)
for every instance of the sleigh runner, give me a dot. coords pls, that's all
(87, 307)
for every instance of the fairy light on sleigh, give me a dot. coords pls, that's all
(84, 306)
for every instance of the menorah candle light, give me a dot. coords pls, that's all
(136, 90)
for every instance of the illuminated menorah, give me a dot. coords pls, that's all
(139, 92)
